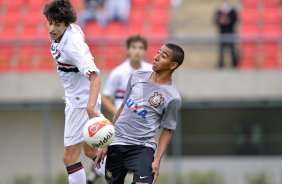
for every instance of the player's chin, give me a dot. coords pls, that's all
(155, 68)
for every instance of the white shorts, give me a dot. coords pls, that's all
(75, 119)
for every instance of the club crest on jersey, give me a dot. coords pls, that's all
(156, 100)
(138, 109)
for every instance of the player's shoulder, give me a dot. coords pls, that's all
(120, 69)
(75, 33)
(141, 73)
(174, 93)
(146, 66)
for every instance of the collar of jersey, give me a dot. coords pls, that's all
(64, 39)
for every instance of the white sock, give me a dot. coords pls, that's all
(76, 174)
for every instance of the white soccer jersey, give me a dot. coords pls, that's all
(74, 63)
(118, 78)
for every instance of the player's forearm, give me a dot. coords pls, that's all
(109, 105)
(163, 143)
(118, 113)
(95, 84)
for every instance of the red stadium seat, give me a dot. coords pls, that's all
(9, 33)
(159, 18)
(116, 30)
(269, 63)
(46, 64)
(249, 31)
(137, 17)
(248, 63)
(24, 64)
(92, 30)
(139, 4)
(271, 16)
(36, 5)
(11, 19)
(250, 3)
(249, 16)
(33, 19)
(7, 50)
(15, 4)
(272, 31)
(5, 64)
(271, 3)
(161, 4)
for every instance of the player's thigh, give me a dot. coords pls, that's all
(75, 119)
(72, 154)
(115, 171)
(139, 161)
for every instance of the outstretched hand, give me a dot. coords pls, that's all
(102, 152)
(155, 170)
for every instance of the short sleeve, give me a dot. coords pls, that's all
(111, 85)
(128, 90)
(169, 119)
(79, 54)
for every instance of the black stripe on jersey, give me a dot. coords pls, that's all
(119, 97)
(68, 69)
(58, 56)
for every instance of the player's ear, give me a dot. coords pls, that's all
(173, 65)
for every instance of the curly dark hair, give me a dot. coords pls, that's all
(136, 38)
(61, 11)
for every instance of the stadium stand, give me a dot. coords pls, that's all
(260, 32)
(24, 44)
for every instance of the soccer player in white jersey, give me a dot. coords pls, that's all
(116, 84)
(151, 102)
(80, 79)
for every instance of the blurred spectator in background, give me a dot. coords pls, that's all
(94, 10)
(104, 11)
(118, 10)
(226, 19)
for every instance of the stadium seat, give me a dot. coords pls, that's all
(250, 3)
(269, 63)
(33, 19)
(137, 18)
(139, 4)
(271, 16)
(36, 5)
(249, 16)
(11, 19)
(154, 17)
(116, 30)
(270, 3)
(247, 63)
(5, 64)
(272, 31)
(9, 33)
(7, 50)
(24, 64)
(161, 4)
(15, 4)
(249, 31)
(46, 64)
(92, 30)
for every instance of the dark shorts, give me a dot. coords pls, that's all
(134, 158)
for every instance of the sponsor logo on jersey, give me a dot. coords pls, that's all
(138, 109)
(156, 99)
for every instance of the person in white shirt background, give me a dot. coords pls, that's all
(114, 89)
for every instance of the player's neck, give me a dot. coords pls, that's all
(135, 64)
(161, 77)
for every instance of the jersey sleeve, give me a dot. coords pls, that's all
(169, 119)
(128, 89)
(78, 53)
(111, 85)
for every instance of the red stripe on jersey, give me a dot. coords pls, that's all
(63, 64)
(120, 91)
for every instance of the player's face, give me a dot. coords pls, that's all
(56, 29)
(163, 60)
(136, 52)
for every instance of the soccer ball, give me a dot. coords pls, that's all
(98, 132)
